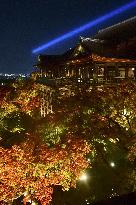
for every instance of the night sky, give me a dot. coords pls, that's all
(26, 24)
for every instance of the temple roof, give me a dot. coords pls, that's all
(118, 31)
(116, 43)
(72, 54)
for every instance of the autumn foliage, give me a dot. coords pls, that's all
(53, 150)
(34, 168)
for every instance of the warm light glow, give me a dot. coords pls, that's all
(83, 177)
(106, 59)
(33, 203)
(86, 26)
(125, 112)
(25, 193)
(112, 164)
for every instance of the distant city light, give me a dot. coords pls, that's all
(13, 75)
(89, 25)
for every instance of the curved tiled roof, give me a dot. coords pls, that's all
(101, 47)
(118, 31)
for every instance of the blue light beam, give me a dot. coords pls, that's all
(86, 26)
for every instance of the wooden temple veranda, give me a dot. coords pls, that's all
(106, 58)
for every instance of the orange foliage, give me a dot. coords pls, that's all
(23, 98)
(28, 98)
(32, 168)
(4, 91)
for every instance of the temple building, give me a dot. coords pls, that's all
(109, 56)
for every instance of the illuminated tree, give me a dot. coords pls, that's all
(106, 116)
(27, 96)
(103, 117)
(32, 168)
(23, 96)
(19, 104)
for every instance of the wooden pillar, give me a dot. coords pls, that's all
(95, 73)
(135, 72)
(116, 69)
(126, 70)
(46, 101)
(105, 72)
(41, 72)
